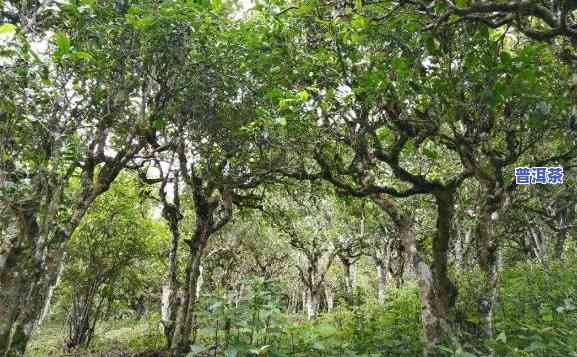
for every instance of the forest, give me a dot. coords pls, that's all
(270, 178)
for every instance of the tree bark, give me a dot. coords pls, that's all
(17, 278)
(313, 278)
(350, 279)
(46, 309)
(313, 299)
(431, 281)
(382, 257)
(29, 275)
(488, 245)
(560, 244)
(445, 290)
(461, 245)
(382, 272)
(238, 294)
(199, 280)
(171, 290)
(330, 296)
(492, 199)
(181, 339)
(434, 317)
(32, 261)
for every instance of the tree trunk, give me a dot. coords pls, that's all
(435, 321)
(27, 281)
(46, 309)
(238, 294)
(181, 339)
(399, 275)
(170, 291)
(383, 259)
(488, 264)
(433, 283)
(170, 305)
(461, 257)
(18, 279)
(295, 302)
(30, 266)
(200, 280)
(382, 272)
(349, 273)
(560, 244)
(330, 296)
(538, 244)
(165, 305)
(312, 298)
(353, 277)
(445, 290)
(491, 201)
(85, 312)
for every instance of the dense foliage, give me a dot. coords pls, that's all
(287, 178)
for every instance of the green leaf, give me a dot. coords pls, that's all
(502, 337)
(285, 104)
(384, 134)
(303, 95)
(358, 22)
(535, 122)
(82, 56)
(62, 43)
(547, 317)
(274, 93)
(158, 124)
(401, 66)
(412, 26)
(506, 58)
(432, 45)
(216, 4)
(144, 22)
(444, 349)
(431, 154)
(7, 28)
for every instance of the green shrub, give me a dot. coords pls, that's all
(536, 312)
(392, 329)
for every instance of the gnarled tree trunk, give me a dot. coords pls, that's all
(444, 290)
(382, 272)
(29, 275)
(330, 297)
(171, 289)
(491, 201)
(488, 264)
(350, 277)
(313, 300)
(435, 289)
(31, 262)
(181, 339)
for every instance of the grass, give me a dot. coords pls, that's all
(112, 338)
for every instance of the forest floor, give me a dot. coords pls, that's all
(117, 338)
(536, 317)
